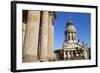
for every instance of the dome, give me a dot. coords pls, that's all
(70, 26)
(70, 22)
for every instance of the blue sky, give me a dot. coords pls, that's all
(82, 22)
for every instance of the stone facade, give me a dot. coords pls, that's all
(37, 36)
(73, 49)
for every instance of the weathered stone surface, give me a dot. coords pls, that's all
(31, 36)
(50, 38)
(44, 37)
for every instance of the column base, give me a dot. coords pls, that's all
(29, 58)
(50, 57)
(43, 59)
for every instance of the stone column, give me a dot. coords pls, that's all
(68, 54)
(23, 32)
(50, 36)
(73, 36)
(52, 40)
(70, 37)
(44, 36)
(85, 54)
(31, 37)
(64, 55)
(76, 53)
(71, 54)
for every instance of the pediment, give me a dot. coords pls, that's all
(72, 46)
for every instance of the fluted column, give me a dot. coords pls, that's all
(85, 54)
(44, 36)
(68, 54)
(31, 37)
(52, 40)
(71, 53)
(73, 37)
(70, 35)
(23, 32)
(50, 37)
(64, 55)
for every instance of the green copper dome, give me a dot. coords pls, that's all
(70, 26)
(70, 22)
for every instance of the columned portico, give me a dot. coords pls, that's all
(37, 36)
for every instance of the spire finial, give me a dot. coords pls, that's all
(69, 22)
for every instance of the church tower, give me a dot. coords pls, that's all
(73, 49)
(70, 32)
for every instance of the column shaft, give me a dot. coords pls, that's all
(50, 37)
(44, 36)
(31, 37)
(64, 55)
(23, 32)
